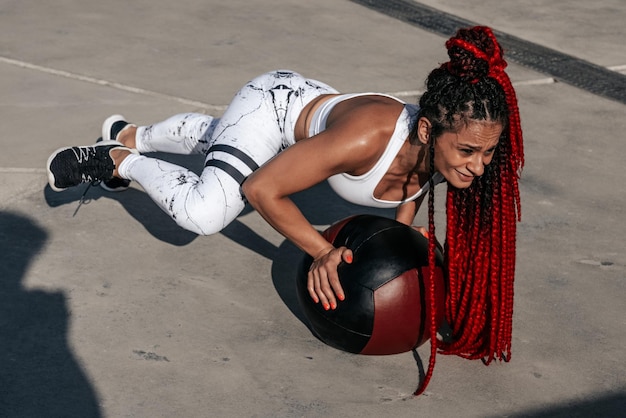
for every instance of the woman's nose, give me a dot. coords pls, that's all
(476, 165)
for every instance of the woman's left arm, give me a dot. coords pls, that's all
(405, 213)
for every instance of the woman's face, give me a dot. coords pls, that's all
(462, 156)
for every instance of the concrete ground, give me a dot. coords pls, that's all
(113, 311)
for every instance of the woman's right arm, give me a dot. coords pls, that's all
(298, 168)
(280, 212)
(345, 147)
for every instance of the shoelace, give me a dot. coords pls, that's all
(82, 198)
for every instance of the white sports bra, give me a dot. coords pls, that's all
(360, 189)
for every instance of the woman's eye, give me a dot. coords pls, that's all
(467, 151)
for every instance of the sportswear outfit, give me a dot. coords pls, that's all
(256, 126)
(360, 189)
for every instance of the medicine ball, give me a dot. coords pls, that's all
(387, 304)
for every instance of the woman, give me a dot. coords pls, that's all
(284, 133)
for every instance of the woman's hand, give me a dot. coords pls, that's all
(323, 279)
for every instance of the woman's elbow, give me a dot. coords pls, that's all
(251, 191)
(261, 192)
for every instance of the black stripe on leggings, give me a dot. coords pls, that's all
(245, 158)
(229, 169)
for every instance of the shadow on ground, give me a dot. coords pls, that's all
(611, 405)
(39, 375)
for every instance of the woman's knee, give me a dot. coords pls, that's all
(201, 225)
(207, 216)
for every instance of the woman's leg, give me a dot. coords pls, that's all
(202, 204)
(255, 127)
(187, 133)
(247, 135)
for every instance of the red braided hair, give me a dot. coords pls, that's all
(481, 220)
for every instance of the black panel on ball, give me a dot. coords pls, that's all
(337, 327)
(383, 246)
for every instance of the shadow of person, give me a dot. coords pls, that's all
(39, 376)
(320, 205)
(136, 203)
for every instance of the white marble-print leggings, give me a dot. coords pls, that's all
(258, 123)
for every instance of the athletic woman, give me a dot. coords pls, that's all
(284, 133)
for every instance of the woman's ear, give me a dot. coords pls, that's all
(424, 128)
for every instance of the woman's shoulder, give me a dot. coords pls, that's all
(363, 126)
(375, 111)
(376, 99)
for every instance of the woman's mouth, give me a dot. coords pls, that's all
(465, 177)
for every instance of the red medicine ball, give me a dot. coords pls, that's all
(387, 305)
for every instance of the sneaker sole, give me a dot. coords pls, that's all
(52, 179)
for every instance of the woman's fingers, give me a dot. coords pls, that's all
(323, 280)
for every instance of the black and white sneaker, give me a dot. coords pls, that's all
(111, 129)
(72, 166)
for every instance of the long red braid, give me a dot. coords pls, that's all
(481, 220)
